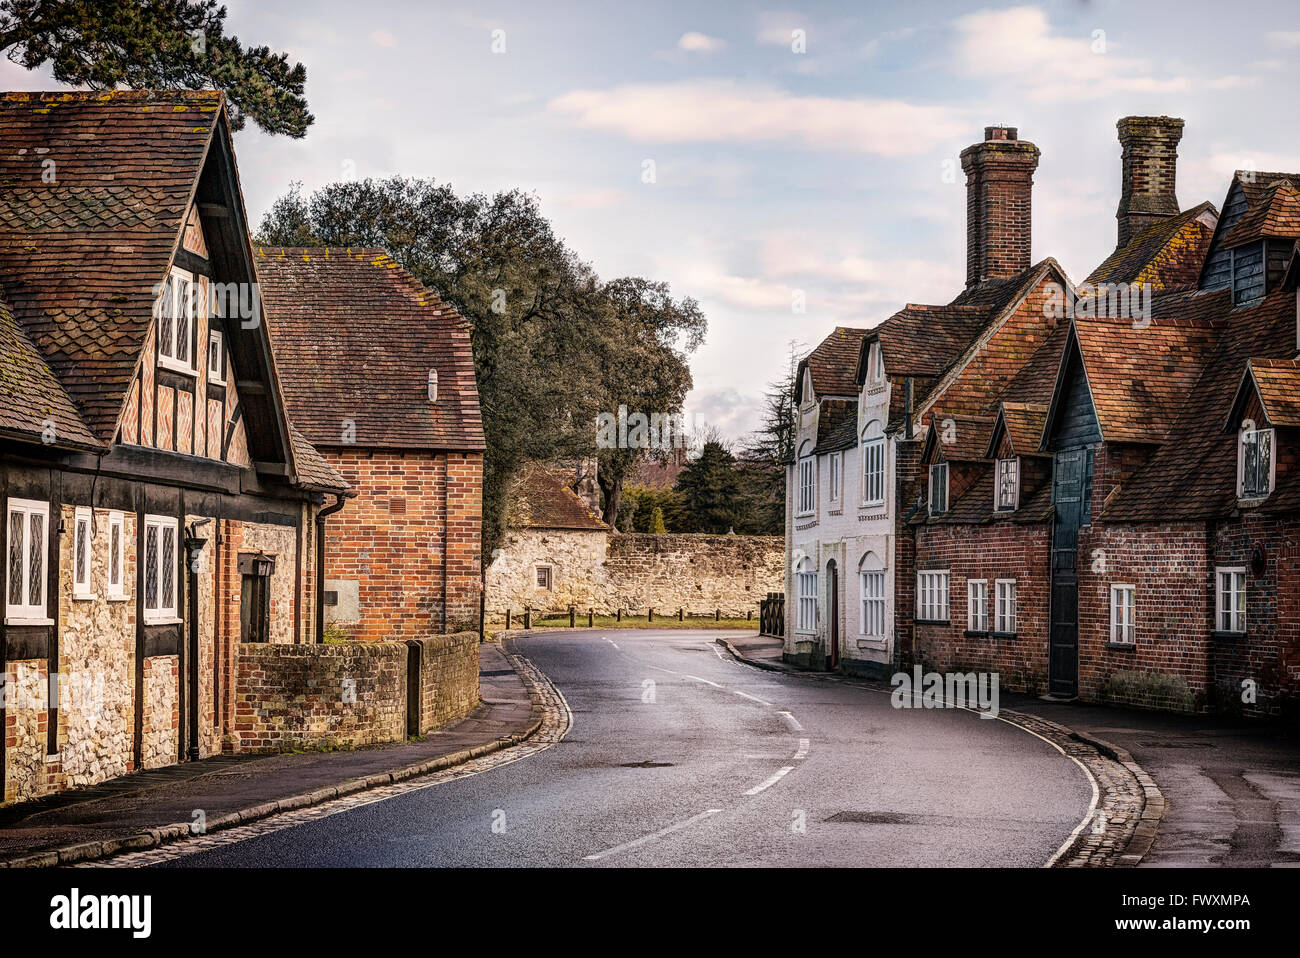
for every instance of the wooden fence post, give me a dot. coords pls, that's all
(528, 617)
(620, 614)
(681, 614)
(591, 618)
(650, 616)
(717, 615)
(573, 617)
(507, 619)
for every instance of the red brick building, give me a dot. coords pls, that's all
(378, 372)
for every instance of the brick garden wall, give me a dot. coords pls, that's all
(409, 543)
(448, 678)
(349, 694)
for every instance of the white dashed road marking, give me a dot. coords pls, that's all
(645, 839)
(780, 774)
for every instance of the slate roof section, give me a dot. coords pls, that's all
(921, 340)
(962, 438)
(539, 499)
(841, 434)
(1140, 375)
(80, 256)
(31, 395)
(355, 336)
(1166, 254)
(832, 363)
(1193, 475)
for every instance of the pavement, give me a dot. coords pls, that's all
(663, 750)
(1231, 786)
(149, 808)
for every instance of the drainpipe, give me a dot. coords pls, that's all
(907, 409)
(325, 513)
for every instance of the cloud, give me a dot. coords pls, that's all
(382, 38)
(729, 111)
(1017, 45)
(589, 199)
(1233, 82)
(1283, 38)
(693, 42)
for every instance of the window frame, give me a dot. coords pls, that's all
(836, 478)
(872, 607)
(1123, 628)
(1237, 614)
(161, 614)
(933, 472)
(1252, 436)
(550, 577)
(871, 478)
(217, 377)
(1004, 623)
(933, 598)
(977, 622)
(806, 598)
(999, 503)
(116, 591)
(27, 613)
(83, 522)
(807, 486)
(177, 279)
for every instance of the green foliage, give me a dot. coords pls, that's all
(654, 510)
(657, 521)
(711, 486)
(157, 44)
(553, 345)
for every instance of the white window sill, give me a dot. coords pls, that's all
(163, 621)
(873, 642)
(118, 598)
(18, 620)
(177, 366)
(84, 597)
(214, 381)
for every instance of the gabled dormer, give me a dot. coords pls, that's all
(952, 459)
(1255, 236)
(1265, 416)
(1020, 467)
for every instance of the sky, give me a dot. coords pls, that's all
(758, 158)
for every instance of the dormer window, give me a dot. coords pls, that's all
(175, 314)
(1008, 485)
(875, 369)
(808, 396)
(837, 480)
(1255, 463)
(938, 488)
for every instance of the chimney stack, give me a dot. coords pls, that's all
(999, 193)
(1150, 167)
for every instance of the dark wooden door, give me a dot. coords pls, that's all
(1069, 482)
(255, 608)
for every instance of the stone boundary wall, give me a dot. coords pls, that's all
(634, 572)
(448, 678)
(348, 695)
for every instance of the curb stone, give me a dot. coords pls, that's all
(165, 834)
(1130, 805)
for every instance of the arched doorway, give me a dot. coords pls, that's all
(833, 605)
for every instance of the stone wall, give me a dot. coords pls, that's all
(26, 685)
(634, 572)
(162, 717)
(448, 678)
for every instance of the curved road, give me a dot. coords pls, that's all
(679, 755)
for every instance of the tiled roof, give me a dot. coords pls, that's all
(1140, 375)
(314, 472)
(1278, 383)
(921, 340)
(963, 438)
(355, 336)
(1192, 476)
(1274, 211)
(1168, 253)
(93, 191)
(30, 394)
(1024, 424)
(539, 499)
(841, 432)
(832, 364)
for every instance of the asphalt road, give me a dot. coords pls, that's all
(680, 756)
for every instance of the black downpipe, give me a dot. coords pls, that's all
(325, 513)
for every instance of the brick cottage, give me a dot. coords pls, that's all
(1102, 503)
(378, 373)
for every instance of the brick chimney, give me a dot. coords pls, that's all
(1150, 167)
(999, 193)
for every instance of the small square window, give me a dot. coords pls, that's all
(1005, 610)
(1230, 600)
(977, 605)
(160, 564)
(938, 488)
(25, 555)
(1008, 484)
(544, 577)
(216, 357)
(1123, 608)
(1256, 458)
